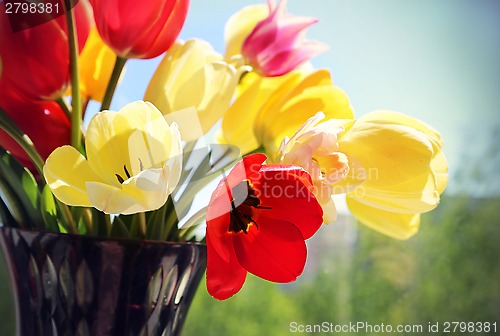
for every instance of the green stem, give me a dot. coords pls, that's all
(160, 217)
(171, 219)
(76, 102)
(22, 139)
(107, 220)
(67, 218)
(171, 225)
(185, 233)
(113, 81)
(87, 220)
(142, 224)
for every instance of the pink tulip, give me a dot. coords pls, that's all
(277, 44)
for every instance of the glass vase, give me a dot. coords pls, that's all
(66, 284)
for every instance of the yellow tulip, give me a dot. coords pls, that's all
(405, 171)
(96, 65)
(314, 148)
(237, 123)
(268, 109)
(396, 225)
(133, 162)
(296, 101)
(192, 74)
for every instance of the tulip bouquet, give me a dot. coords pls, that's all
(134, 173)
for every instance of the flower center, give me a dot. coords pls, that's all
(241, 215)
(121, 179)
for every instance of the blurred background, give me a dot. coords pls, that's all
(437, 61)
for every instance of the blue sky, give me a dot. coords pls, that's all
(434, 60)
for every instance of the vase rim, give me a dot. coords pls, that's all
(102, 238)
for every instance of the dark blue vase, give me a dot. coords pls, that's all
(80, 285)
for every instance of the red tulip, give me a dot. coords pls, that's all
(43, 121)
(36, 60)
(135, 29)
(257, 221)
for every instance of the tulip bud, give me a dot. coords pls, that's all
(270, 108)
(406, 171)
(135, 29)
(36, 60)
(192, 74)
(277, 45)
(96, 65)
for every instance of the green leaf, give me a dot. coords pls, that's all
(21, 184)
(77, 214)
(6, 215)
(49, 210)
(12, 203)
(134, 225)
(156, 226)
(119, 229)
(99, 223)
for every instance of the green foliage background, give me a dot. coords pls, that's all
(448, 272)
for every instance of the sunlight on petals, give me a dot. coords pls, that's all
(134, 162)
(192, 74)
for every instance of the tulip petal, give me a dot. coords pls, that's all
(384, 117)
(282, 62)
(138, 31)
(142, 192)
(225, 277)
(193, 75)
(416, 195)
(277, 44)
(391, 154)
(218, 97)
(67, 172)
(174, 163)
(294, 84)
(218, 221)
(355, 177)
(169, 31)
(153, 127)
(274, 251)
(398, 226)
(238, 121)
(220, 202)
(96, 64)
(329, 211)
(129, 139)
(439, 166)
(294, 102)
(282, 190)
(155, 92)
(240, 25)
(296, 110)
(276, 98)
